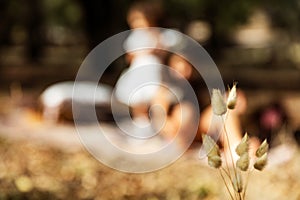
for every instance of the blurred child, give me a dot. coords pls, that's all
(270, 119)
(180, 115)
(174, 106)
(145, 63)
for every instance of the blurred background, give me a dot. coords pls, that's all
(255, 42)
(43, 42)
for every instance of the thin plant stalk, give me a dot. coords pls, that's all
(225, 184)
(228, 173)
(240, 197)
(228, 143)
(230, 179)
(230, 152)
(246, 183)
(226, 163)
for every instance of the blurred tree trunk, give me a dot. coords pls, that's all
(35, 30)
(103, 18)
(5, 23)
(97, 19)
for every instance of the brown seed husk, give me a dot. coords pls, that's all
(261, 162)
(262, 149)
(243, 147)
(243, 162)
(231, 105)
(232, 97)
(210, 146)
(214, 161)
(217, 102)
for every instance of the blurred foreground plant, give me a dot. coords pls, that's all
(232, 178)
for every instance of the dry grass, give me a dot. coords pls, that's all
(50, 173)
(34, 170)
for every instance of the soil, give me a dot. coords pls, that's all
(42, 161)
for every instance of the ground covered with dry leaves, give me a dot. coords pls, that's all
(34, 171)
(35, 166)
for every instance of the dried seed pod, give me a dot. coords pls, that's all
(218, 103)
(243, 147)
(262, 149)
(243, 162)
(261, 162)
(232, 97)
(214, 161)
(210, 146)
(237, 182)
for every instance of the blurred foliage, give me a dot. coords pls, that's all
(223, 15)
(64, 13)
(284, 14)
(99, 19)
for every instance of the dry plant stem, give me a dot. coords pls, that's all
(246, 183)
(230, 152)
(227, 166)
(228, 143)
(240, 197)
(226, 162)
(230, 179)
(226, 172)
(226, 184)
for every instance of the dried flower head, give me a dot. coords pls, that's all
(243, 162)
(210, 146)
(217, 102)
(262, 149)
(243, 146)
(261, 162)
(214, 161)
(212, 150)
(232, 97)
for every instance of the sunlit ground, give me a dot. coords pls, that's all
(40, 161)
(30, 170)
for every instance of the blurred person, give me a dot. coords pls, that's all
(270, 120)
(57, 99)
(144, 64)
(173, 108)
(273, 124)
(180, 113)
